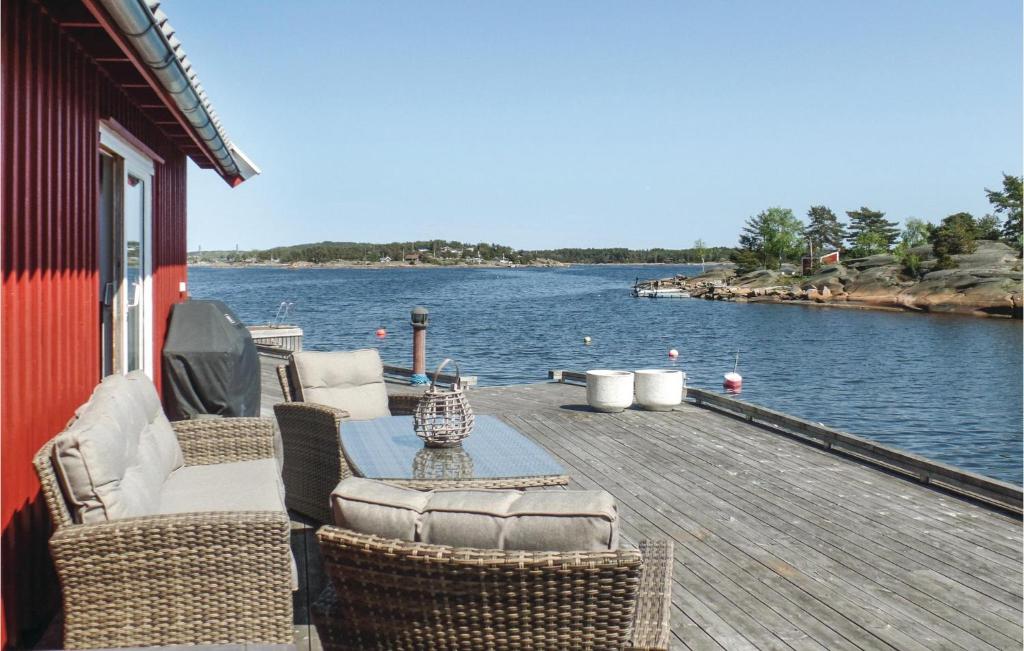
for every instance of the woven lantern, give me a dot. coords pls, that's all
(443, 416)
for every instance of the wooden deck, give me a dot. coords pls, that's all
(778, 544)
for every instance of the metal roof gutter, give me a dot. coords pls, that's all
(146, 28)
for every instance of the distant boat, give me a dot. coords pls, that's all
(670, 292)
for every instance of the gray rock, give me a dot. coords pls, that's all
(870, 262)
(988, 254)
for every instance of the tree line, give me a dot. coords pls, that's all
(775, 236)
(767, 240)
(327, 251)
(691, 255)
(443, 252)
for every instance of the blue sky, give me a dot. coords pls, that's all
(545, 124)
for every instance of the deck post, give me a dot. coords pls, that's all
(420, 318)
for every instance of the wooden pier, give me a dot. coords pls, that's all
(779, 544)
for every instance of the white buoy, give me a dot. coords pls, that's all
(586, 341)
(673, 353)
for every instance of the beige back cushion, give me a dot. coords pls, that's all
(157, 433)
(113, 459)
(484, 519)
(353, 381)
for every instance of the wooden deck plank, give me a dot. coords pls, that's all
(892, 546)
(864, 512)
(895, 551)
(779, 544)
(751, 566)
(946, 510)
(702, 577)
(311, 581)
(839, 551)
(698, 592)
(832, 464)
(695, 560)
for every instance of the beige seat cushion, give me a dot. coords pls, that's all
(238, 486)
(114, 458)
(353, 381)
(484, 519)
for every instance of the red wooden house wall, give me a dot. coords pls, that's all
(53, 98)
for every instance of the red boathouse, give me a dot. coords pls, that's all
(100, 111)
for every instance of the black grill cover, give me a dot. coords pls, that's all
(210, 363)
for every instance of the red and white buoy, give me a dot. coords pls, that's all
(381, 333)
(733, 381)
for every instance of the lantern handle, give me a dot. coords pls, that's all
(457, 384)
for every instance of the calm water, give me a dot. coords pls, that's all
(945, 387)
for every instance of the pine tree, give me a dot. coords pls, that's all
(989, 228)
(1008, 203)
(745, 260)
(752, 238)
(867, 225)
(824, 229)
(773, 235)
(955, 235)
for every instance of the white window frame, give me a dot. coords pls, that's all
(139, 164)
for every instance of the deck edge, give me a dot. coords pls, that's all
(934, 474)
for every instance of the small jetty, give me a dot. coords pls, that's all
(716, 286)
(788, 535)
(667, 288)
(660, 293)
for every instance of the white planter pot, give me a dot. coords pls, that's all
(659, 389)
(609, 391)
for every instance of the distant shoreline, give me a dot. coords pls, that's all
(398, 265)
(985, 283)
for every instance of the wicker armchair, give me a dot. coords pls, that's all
(400, 405)
(189, 578)
(390, 594)
(313, 460)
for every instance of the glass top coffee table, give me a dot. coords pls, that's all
(493, 456)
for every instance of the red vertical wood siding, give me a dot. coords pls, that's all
(53, 99)
(170, 248)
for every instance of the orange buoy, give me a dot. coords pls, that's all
(381, 333)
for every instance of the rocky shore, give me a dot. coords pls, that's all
(986, 283)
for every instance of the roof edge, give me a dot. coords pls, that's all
(144, 26)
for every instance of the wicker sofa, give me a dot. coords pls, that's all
(322, 389)
(537, 570)
(166, 534)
